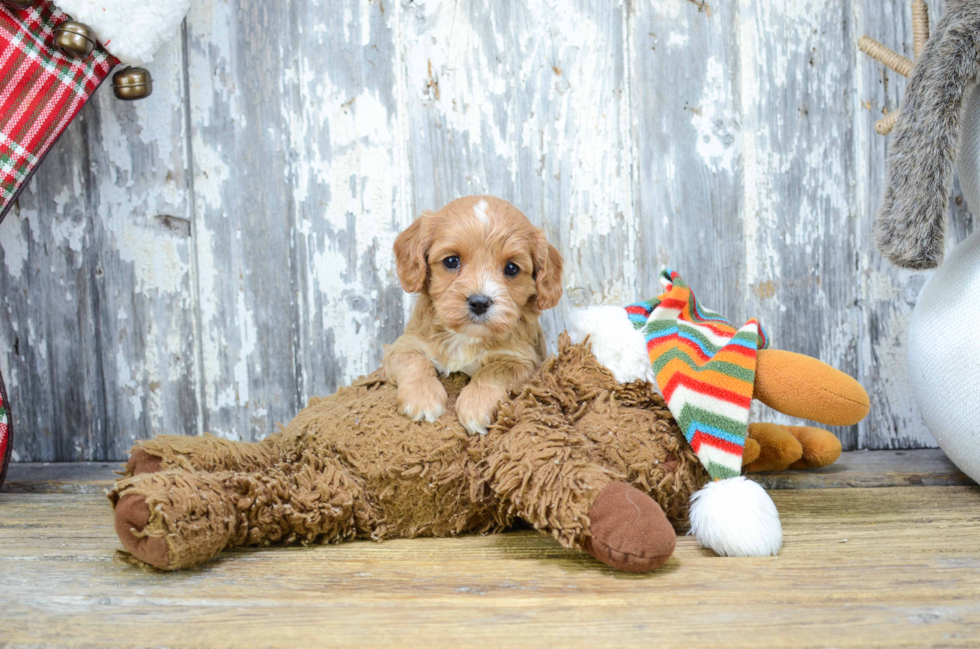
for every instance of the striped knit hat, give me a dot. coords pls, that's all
(705, 369)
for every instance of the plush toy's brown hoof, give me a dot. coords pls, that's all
(820, 447)
(751, 451)
(142, 462)
(132, 515)
(629, 530)
(777, 448)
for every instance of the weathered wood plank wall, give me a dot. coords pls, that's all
(208, 259)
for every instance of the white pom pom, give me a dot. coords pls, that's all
(615, 343)
(131, 31)
(736, 518)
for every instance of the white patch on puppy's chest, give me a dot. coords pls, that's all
(468, 355)
(480, 212)
(467, 366)
(460, 354)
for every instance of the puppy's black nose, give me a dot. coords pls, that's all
(479, 304)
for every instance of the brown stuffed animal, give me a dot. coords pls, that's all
(599, 465)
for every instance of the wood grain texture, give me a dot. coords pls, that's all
(529, 101)
(685, 102)
(297, 194)
(209, 259)
(921, 467)
(800, 239)
(860, 568)
(889, 293)
(97, 336)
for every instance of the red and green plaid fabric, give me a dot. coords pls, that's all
(6, 439)
(41, 91)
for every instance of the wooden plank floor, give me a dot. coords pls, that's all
(881, 550)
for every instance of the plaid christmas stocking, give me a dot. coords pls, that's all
(42, 88)
(6, 434)
(41, 91)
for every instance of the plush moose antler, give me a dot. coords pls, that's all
(910, 228)
(895, 61)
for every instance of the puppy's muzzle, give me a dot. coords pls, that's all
(479, 305)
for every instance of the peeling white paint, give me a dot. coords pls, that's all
(211, 173)
(715, 127)
(361, 178)
(670, 9)
(14, 245)
(414, 106)
(157, 261)
(70, 234)
(212, 338)
(754, 182)
(245, 363)
(454, 76)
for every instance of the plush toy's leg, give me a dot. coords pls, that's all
(751, 452)
(175, 519)
(634, 435)
(777, 448)
(207, 453)
(771, 447)
(542, 470)
(629, 530)
(802, 386)
(820, 447)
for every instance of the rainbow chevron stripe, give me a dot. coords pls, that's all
(705, 369)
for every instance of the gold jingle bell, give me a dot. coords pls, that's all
(18, 4)
(74, 39)
(132, 83)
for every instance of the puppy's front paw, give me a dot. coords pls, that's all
(424, 399)
(476, 406)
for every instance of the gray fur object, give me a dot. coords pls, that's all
(911, 223)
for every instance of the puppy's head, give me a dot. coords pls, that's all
(482, 264)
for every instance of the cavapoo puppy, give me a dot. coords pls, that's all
(484, 274)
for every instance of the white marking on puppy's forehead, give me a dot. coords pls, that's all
(480, 211)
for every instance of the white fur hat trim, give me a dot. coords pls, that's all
(615, 343)
(130, 31)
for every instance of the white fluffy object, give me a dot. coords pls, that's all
(949, 398)
(615, 343)
(130, 31)
(736, 518)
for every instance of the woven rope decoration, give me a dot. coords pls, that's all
(895, 61)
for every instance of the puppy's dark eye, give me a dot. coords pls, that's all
(511, 269)
(452, 263)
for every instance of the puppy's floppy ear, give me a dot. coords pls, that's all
(411, 249)
(547, 272)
